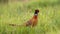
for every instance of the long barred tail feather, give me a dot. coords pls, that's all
(18, 25)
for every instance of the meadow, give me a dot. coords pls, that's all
(18, 12)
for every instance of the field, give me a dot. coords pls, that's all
(18, 12)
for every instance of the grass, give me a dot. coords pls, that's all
(20, 12)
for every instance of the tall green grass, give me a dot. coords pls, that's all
(20, 12)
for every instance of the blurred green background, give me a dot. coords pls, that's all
(20, 11)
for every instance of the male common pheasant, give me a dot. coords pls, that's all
(32, 22)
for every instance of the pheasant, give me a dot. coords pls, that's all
(32, 22)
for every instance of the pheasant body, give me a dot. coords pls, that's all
(33, 22)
